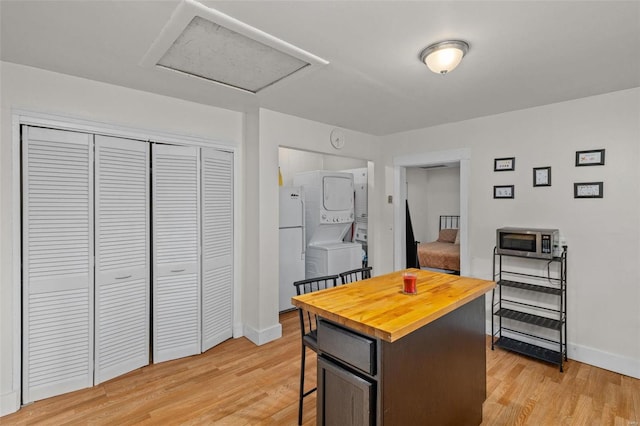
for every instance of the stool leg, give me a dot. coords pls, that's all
(301, 384)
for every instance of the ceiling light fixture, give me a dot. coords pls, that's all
(444, 57)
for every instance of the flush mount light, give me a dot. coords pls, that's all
(444, 56)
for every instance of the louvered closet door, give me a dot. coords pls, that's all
(176, 282)
(122, 256)
(57, 258)
(217, 247)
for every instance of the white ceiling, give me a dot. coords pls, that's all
(522, 54)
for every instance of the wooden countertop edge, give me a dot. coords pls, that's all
(392, 336)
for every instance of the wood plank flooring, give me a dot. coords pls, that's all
(238, 383)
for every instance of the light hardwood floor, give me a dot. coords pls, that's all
(237, 383)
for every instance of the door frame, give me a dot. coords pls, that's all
(21, 117)
(400, 164)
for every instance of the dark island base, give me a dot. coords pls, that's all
(437, 374)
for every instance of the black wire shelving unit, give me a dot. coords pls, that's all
(518, 315)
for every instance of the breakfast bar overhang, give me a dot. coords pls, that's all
(389, 358)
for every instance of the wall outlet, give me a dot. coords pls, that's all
(563, 240)
(559, 248)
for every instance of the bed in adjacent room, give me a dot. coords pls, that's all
(444, 253)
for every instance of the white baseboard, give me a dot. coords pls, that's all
(238, 330)
(260, 337)
(608, 361)
(598, 358)
(9, 403)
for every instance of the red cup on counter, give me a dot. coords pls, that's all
(409, 283)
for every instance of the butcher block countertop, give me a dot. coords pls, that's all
(377, 306)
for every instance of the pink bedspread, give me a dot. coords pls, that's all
(439, 255)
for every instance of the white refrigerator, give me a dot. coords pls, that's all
(292, 243)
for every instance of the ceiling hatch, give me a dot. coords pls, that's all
(202, 42)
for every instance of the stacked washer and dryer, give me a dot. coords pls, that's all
(329, 214)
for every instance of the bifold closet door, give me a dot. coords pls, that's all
(176, 266)
(122, 334)
(217, 247)
(57, 279)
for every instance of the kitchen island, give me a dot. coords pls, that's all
(388, 358)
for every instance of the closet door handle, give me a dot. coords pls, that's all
(177, 270)
(122, 278)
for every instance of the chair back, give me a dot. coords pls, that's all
(355, 275)
(308, 322)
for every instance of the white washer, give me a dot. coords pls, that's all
(332, 258)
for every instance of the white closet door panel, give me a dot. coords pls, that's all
(122, 256)
(176, 226)
(177, 317)
(217, 247)
(217, 304)
(57, 179)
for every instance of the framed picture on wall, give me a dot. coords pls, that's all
(504, 164)
(588, 190)
(594, 157)
(503, 191)
(542, 176)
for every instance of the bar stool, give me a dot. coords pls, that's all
(308, 326)
(355, 275)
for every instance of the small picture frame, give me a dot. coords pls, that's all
(542, 176)
(503, 191)
(504, 164)
(593, 157)
(588, 190)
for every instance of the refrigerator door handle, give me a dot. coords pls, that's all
(304, 232)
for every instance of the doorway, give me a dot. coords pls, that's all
(433, 200)
(459, 157)
(293, 265)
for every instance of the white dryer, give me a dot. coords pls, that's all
(329, 213)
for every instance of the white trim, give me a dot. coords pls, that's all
(607, 360)
(9, 403)
(462, 156)
(81, 125)
(594, 357)
(260, 337)
(238, 274)
(16, 198)
(399, 218)
(238, 329)
(34, 118)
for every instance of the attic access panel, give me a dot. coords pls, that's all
(208, 44)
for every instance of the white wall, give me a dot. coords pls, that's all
(603, 234)
(46, 92)
(293, 161)
(335, 162)
(443, 189)
(417, 197)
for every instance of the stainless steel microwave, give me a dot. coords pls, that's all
(528, 242)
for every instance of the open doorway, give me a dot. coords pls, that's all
(459, 158)
(327, 248)
(293, 161)
(433, 203)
